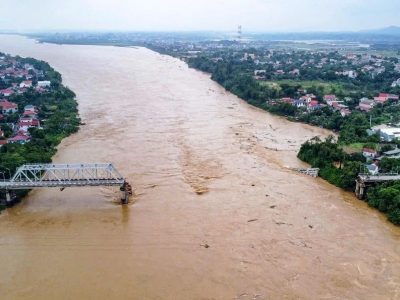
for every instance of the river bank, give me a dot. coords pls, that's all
(37, 113)
(172, 132)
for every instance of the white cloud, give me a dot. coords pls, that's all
(262, 15)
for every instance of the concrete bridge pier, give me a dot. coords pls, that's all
(126, 190)
(361, 190)
(3, 201)
(7, 199)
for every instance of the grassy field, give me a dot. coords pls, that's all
(353, 148)
(305, 84)
(386, 53)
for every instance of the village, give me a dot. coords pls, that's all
(310, 102)
(18, 78)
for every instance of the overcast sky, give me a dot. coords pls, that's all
(253, 15)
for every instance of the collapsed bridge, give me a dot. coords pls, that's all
(31, 176)
(364, 181)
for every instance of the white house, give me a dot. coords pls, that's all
(396, 83)
(44, 83)
(389, 134)
(25, 84)
(299, 103)
(373, 169)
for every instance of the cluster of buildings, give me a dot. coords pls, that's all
(367, 105)
(374, 157)
(28, 119)
(311, 103)
(386, 133)
(18, 78)
(289, 64)
(308, 101)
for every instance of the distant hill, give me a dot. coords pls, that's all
(391, 30)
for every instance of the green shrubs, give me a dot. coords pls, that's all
(386, 198)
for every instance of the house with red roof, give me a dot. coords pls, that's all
(383, 97)
(8, 107)
(30, 114)
(30, 111)
(370, 153)
(313, 105)
(345, 112)
(287, 100)
(329, 99)
(366, 105)
(380, 100)
(20, 138)
(25, 123)
(7, 92)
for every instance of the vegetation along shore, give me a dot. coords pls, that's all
(37, 112)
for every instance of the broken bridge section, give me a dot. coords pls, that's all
(366, 180)
(66, 175)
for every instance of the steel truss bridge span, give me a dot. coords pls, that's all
(66, 175)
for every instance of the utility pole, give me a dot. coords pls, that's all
(240, 33)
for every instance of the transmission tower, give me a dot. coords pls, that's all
(240, 33)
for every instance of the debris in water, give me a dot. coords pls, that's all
(201, 190)
(205, 245)
(151, 186)
(283, 223)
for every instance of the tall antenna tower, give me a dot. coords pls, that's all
(240, 33)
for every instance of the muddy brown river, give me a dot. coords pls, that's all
(218, 214)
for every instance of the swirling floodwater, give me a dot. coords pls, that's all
(217, 212)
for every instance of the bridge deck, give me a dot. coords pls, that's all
(63, 175)
(379, 178)
(49, 183)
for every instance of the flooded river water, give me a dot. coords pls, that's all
(208, 170)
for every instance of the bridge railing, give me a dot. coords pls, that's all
(66, 175)
(53, 175)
